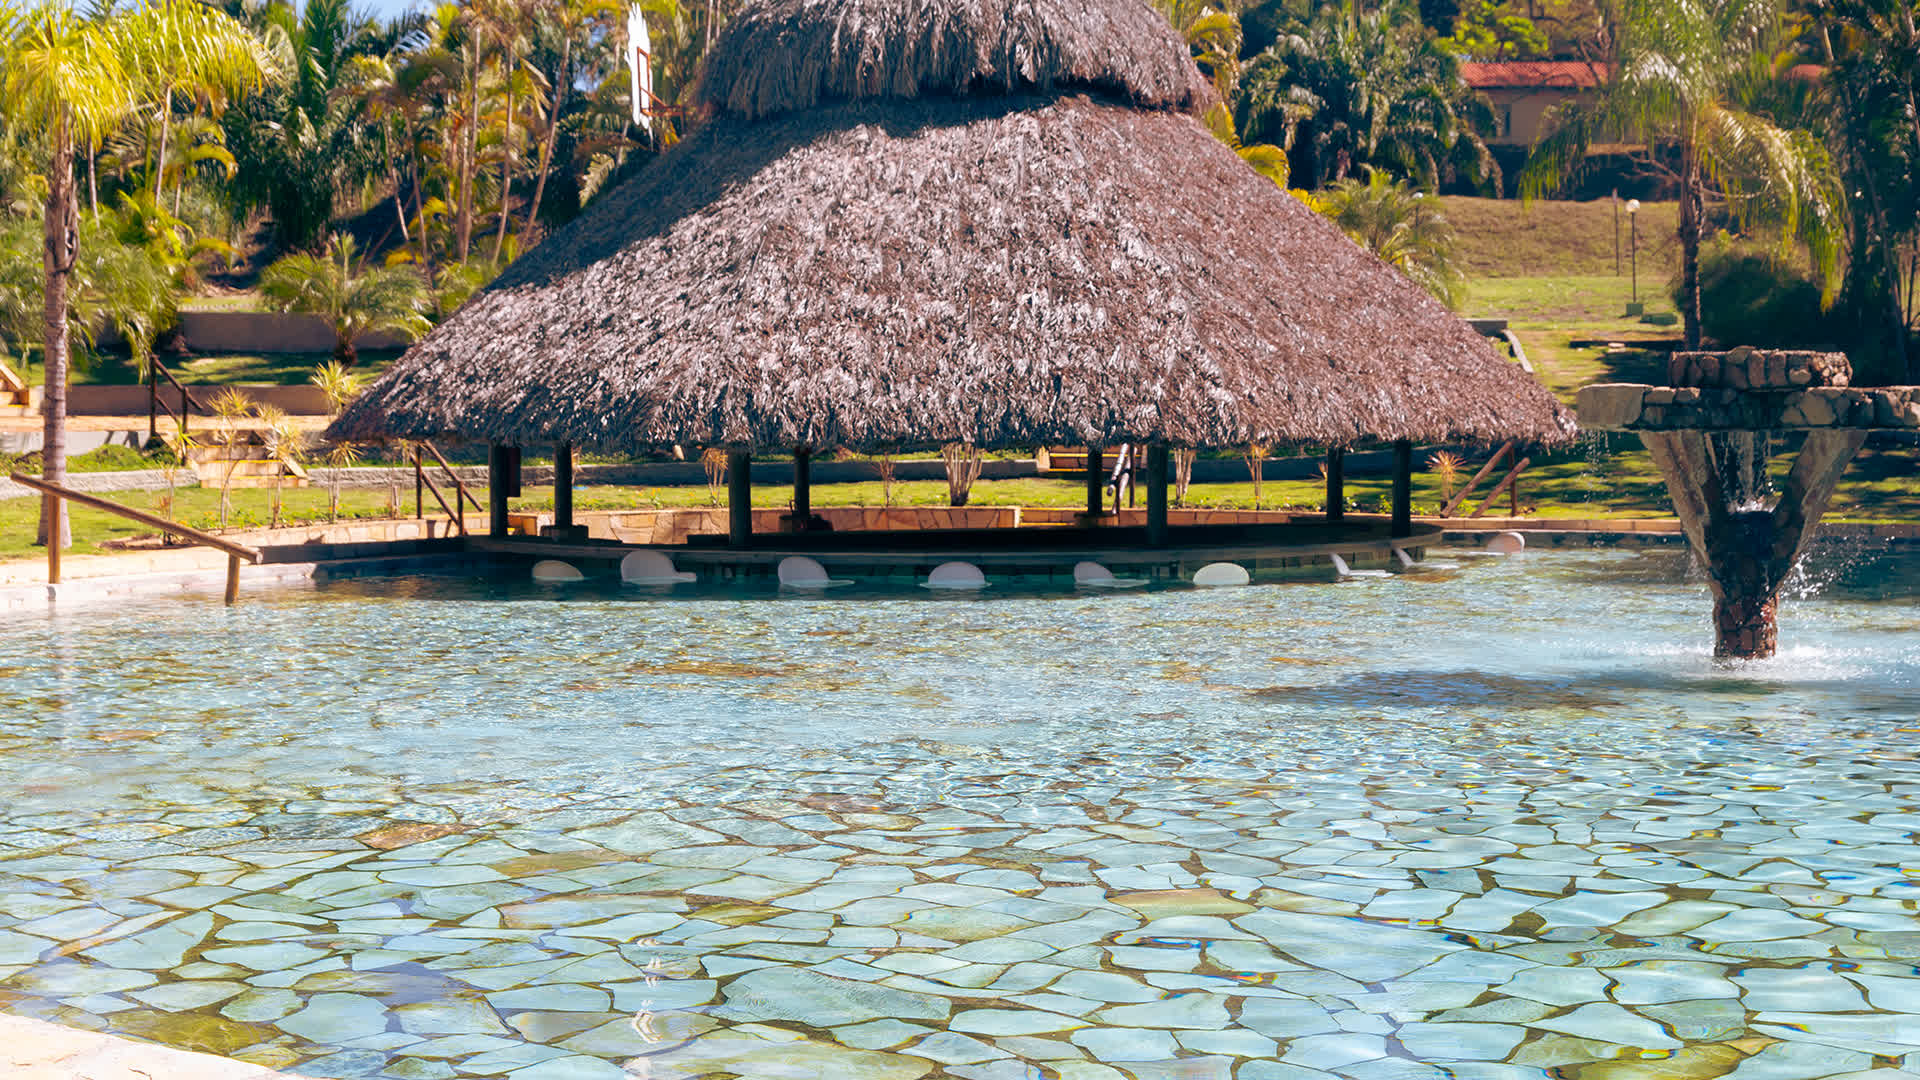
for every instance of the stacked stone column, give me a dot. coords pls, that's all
(1688, 429)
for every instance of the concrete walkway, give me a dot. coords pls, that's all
(37, 1050)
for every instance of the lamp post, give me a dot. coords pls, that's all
(1633, 241)
(1615, 200)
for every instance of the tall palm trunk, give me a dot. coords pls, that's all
(469, 149)
(553, 128)
(419, 195)
(166, 130)
(1690, 244)
(506, 168)
(61, 246)
(399, 205)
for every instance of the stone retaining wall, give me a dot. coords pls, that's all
(103, 482)
(1636, 407)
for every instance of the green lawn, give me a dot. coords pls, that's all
(1504, 238)
(272, 369)
(1548, 314)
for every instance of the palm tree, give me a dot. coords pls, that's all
(1674, 90)
(1369, 88)
(568, 20)
(1215, 37)
(1402, 226)
(186, 47)
(1872, 49)
(298, 145)
(356, 300)
(77, 80)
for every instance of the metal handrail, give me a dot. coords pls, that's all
(55, 492)
(1121, 479)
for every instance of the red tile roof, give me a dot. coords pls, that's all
(1521, 74)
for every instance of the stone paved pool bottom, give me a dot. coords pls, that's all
(1482, 821)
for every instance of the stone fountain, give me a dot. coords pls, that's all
(1703, 432)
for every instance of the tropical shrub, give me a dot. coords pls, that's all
(1752, 295)
(1403, 227)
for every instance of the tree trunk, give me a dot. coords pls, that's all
(420, 205)
(61, 228)
(399, 204)
(506, 169)
(1690, 247)
(469, 146)
(166, 129)
(346, 352)
(553, 128)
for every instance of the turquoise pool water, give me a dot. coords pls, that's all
(1491, 819)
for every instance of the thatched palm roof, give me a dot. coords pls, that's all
(990, 221)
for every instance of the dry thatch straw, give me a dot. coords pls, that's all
(783, 56)
(1060, 266)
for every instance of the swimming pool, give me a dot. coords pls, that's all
(1486, 819)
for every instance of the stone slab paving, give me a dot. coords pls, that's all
(1018, 931)
(37, 1050)
(1370, 873)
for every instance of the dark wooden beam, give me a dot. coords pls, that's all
(1096, 483)
(497, 486)
(1157, 495)
(739, 498)
(1402, 487)
(802, 489)
(1336, 483)
(563, 485)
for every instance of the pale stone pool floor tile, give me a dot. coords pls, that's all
(1125, 958)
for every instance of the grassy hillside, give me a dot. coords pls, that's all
(1503, 238)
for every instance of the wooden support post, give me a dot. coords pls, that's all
(1157, 495)
(52, 503)
(802, 489)
(496, 490)
(153, 403)
(1402, 487)
(233, 579)
(1336, 484)
(739, 498)
(562, 487)
(419, 496)
(1096, 484)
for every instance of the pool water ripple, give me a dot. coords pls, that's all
(1502, 819)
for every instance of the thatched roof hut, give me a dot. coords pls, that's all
(984, 221)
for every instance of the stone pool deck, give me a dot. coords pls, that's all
(36, 1050)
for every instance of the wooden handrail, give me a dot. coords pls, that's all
(10, 381)
(240, 551)
(186, 395)
(1461, 495)
(1511, 478)
(464, 494)
(422, 482)
(421, 474)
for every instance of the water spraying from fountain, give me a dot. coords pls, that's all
(1709, 434)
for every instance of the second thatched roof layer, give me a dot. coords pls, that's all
(781, 56)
